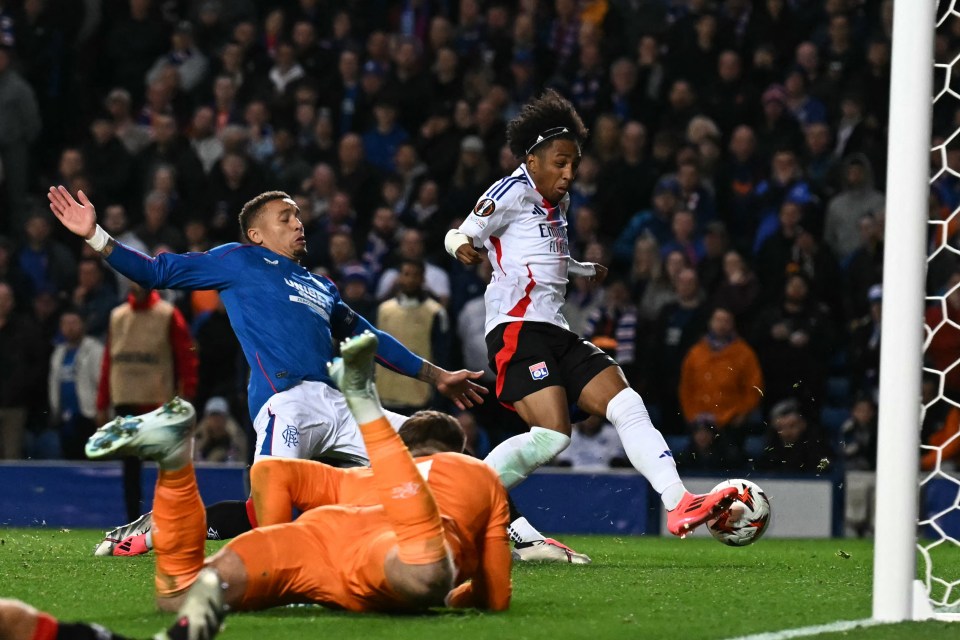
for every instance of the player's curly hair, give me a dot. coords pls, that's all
(549, 111)
(250, 211)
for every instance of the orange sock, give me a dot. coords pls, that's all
(405, 496)
(280, 485)
(179, 530)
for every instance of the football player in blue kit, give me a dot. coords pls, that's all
(286, 320)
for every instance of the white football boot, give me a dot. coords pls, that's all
(548, 550)
(119, 541)
(164, 435)
(202, 612)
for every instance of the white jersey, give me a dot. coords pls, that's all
(526, 239)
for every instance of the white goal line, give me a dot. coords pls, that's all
(837, 627)
(804, 632)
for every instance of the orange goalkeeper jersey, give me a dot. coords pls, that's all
(469, 495)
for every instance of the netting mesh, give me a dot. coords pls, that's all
(939, 539)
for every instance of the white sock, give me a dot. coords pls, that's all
(179, 457)
(645, 446)
(517, 457)
(148, 539)
(522, 531)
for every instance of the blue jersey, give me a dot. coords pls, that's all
(285, 317)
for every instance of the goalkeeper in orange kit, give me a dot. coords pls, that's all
(424, 544)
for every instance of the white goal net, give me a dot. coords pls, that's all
(939, 532)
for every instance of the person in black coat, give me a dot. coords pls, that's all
(794, 443)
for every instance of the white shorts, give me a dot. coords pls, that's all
(311, 421)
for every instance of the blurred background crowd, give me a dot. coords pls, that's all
(733, 180)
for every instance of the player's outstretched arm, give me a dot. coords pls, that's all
(458, 386)
(490, 587)
(167, 271)
(79, 217)
(20, 621)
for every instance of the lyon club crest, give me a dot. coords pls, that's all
(539, 371)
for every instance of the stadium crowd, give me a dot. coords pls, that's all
(733, 181)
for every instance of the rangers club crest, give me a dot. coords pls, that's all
(539, 371)
(484, 208)
(291, 436)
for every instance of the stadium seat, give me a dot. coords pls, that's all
(753, 446)
(839, 363)
(832, 419)
(838, 391)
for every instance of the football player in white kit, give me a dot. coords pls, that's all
(541, 365)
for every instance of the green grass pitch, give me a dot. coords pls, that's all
(637, 587)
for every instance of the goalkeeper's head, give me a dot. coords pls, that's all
(546, 136)
(427, 432)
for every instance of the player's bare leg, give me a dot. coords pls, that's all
(18, 621)
(608, 394)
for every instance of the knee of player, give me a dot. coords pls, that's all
(262, 470)
(547, 442)
(16, 619)
(233, 575)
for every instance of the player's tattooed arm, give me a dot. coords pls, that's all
(458, 386)
(429, 373)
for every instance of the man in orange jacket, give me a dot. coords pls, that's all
(945, 439)
(720, 380)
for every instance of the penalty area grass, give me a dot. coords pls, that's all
(637, 587)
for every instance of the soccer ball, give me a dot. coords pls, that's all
(747, 518)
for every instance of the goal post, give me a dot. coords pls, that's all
(904, 268)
